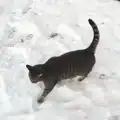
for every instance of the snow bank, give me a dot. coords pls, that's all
(25, 32)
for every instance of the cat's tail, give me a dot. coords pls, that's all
(96, 37)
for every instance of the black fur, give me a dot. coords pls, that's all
(68, 65)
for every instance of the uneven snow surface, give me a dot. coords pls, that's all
(25, 30)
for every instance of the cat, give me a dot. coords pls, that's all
(65, 66)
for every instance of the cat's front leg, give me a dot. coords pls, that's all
(49, 85)
(44, 94)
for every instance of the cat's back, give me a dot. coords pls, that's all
(77, 55)
(74, 57)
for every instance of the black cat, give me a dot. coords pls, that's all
(68, 65)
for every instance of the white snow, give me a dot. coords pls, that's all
(25, 29)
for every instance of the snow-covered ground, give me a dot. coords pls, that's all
(25, 29)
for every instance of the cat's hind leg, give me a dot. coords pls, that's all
(82, 78)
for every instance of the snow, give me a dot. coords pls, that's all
(25, 31)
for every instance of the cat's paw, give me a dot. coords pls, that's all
(82, 78)
(40, 100)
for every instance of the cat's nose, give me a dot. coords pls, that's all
(34, 81)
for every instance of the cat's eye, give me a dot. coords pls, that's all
(40, 75)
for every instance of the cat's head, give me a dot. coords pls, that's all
(35, 73)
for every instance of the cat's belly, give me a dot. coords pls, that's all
(68, 74)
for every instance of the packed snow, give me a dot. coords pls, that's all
(25, 30)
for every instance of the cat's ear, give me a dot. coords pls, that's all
(29, 67)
